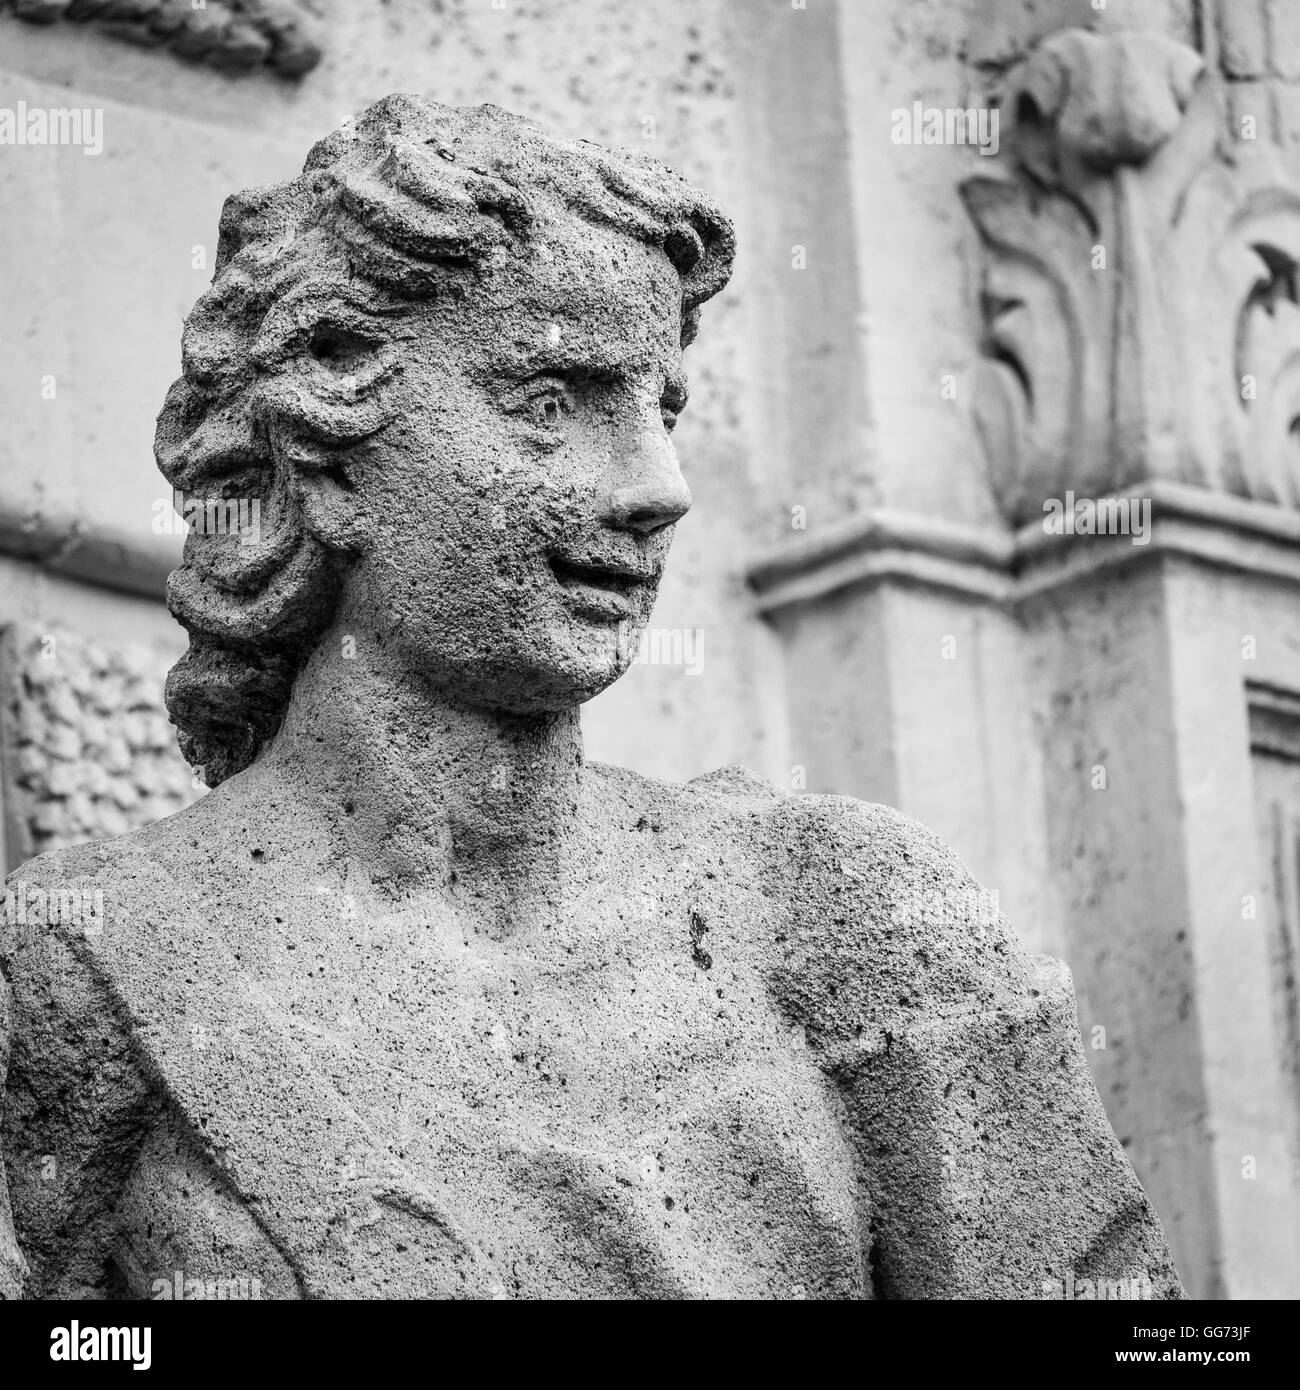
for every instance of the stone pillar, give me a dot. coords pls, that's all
(1049, 615)
(1148, 666)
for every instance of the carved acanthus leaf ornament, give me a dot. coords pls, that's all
(1141, 286)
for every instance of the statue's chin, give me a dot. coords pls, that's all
(532, 692)
(554, 696)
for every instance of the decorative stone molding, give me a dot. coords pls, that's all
(1142, 287)
(1274, 716)
(86, 750)
(879, 545)
(236, 35)
(992, 567)
(64, 542)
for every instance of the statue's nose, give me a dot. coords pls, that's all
(652, 493)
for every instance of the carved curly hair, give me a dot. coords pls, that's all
(386, 211)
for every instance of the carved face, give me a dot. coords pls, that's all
(518, 511)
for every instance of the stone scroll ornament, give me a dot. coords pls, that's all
(419, 1002)
(1141, 296)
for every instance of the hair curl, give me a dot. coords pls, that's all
(387, 208)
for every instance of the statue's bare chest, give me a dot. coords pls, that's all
(612, 1112)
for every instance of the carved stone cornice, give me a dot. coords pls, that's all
(1257, 540)
(63, 540)
(881, 544)
(1141, 291)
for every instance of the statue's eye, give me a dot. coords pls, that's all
(550, 405)
(339, 349)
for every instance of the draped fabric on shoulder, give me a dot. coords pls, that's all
(253, 1111)
(992, 1169)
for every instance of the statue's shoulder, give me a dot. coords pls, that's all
(858, 889)
(55, 910)
(880, 924)
(76, 1096)
(728, 786)
(63, 908)
(144, 863)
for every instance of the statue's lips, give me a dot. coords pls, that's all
(603, 589)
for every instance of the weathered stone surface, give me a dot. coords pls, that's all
(417, 1001)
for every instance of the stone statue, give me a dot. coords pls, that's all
(417, 1002)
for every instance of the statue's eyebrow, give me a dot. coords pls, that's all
(578, 357)
(578, 351)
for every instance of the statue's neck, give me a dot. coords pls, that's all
(428, 794)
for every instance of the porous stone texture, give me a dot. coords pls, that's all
(419, 1001)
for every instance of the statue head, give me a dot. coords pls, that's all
(445, 361)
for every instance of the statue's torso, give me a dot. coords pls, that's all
(674, 1071)
(606, 1103)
